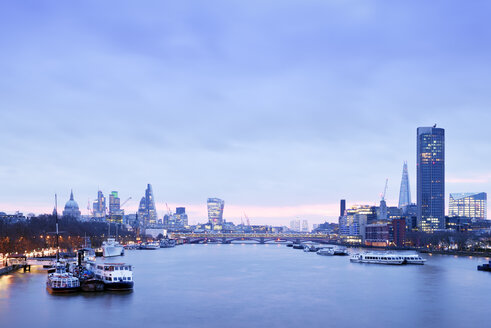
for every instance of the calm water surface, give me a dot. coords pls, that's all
(261, 286)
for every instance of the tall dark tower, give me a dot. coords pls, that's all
(431, 178)
(342, 207)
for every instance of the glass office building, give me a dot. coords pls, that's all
(470, 205)
(431, 178)
(215, 211)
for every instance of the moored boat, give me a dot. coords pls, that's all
(61, 281)
(111, 248)
(115, 276)
(378, 258)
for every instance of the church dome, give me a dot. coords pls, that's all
(71, 207)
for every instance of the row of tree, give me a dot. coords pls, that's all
(40, 232)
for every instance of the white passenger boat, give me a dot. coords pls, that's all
(111, 247)
(115, 276)
(378, 258)
(413, 259)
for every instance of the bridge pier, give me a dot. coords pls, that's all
(261, 240)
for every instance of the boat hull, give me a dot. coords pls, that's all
(119, 286)
(61, 290)
(92, 285)
(111, 251)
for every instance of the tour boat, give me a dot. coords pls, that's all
(289, 244)
(111, 247)
(413, 258)
(115, 276)
(297, 246)
(378, 258)
(61, 281)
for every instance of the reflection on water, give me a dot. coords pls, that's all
(241, 285)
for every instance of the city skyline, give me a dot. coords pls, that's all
(278, 110)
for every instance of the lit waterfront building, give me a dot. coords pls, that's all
(99, 206)
(470, 205)
(431, 178)
(115, 212)
(354, 222)
(405, 192)
(71, 208)
(215, 211)
(147, 213)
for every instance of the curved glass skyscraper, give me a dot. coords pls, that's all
(146, 211)
(215, 211)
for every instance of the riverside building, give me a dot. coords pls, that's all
(470, 205)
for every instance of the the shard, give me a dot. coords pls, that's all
(405, 193)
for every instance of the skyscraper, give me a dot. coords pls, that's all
(342, 207)
(470, 205)
(115, 212)
(99, 206)
(431, 178)
(147, 212)
(215, 211)
(405, 192)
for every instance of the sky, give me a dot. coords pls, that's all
(281, 108)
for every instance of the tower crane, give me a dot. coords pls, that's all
(125, 202)
(385, 189)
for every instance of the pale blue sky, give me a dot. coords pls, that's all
(281, 108)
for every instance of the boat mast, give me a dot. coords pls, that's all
(57, 232)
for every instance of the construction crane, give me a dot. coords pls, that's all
(385, 189)
(168, 209)
(125, 202)
(247, 219)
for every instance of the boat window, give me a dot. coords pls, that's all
(116, 268)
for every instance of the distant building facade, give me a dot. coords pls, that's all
(215, 211)
(431, 178)
(470, 205)
(177, 220)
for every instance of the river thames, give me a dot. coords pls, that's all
(260, 286)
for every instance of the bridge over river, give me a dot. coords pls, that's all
(227, 238)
